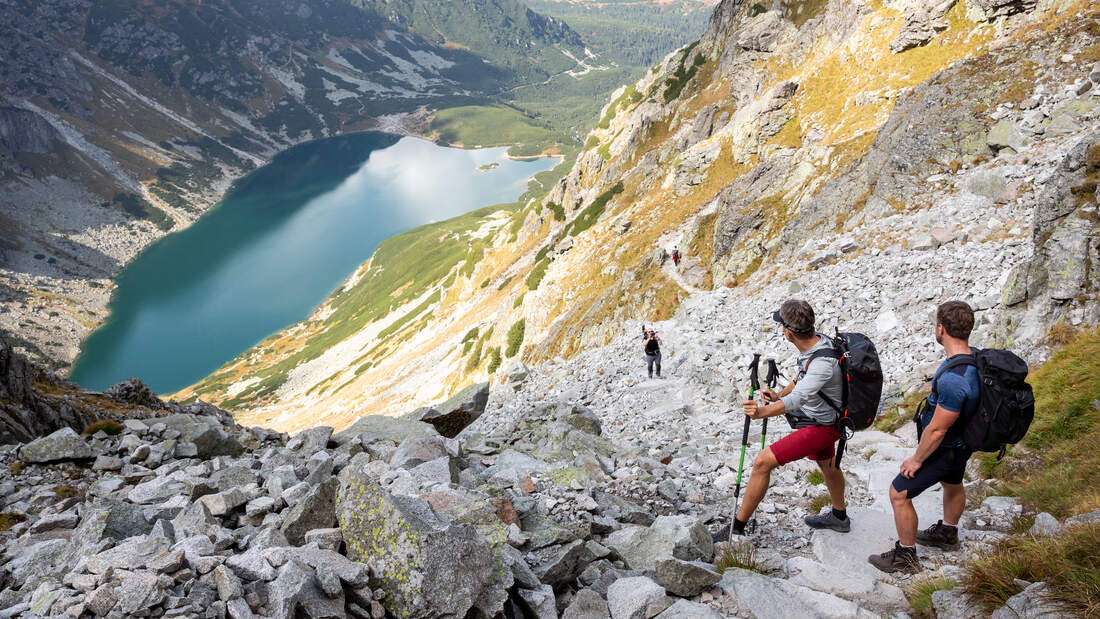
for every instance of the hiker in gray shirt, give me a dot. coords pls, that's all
(805, 403)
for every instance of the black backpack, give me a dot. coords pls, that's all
(861, 374)
(1006, 404)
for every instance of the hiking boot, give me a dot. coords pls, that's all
(939, 535)
(828, 520)
(723, 534)
(897, 560)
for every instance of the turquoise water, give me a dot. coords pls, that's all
(276, 246)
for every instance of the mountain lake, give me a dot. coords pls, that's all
(282, 239)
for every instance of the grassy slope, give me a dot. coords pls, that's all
(1056, 471)
(494, 125)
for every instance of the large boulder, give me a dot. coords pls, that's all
(64, 444)
(428, 566)
(452, 416)
(682, 537)
(208, 435)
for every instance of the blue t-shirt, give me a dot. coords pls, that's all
(958, 390)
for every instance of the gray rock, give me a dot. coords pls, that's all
(295, 592)
(1032, 603)
(685, 578)
(329, 581)
(1045, 525)
(428, 566)
(107, 463)
(61, 445)
(1005, 134)
(316, 511)
(222, 503)
(754, 591)
(512, 466)
(1087, 518)
(441, 470)
(133, 391)
(372, 428)
(454, 415)
(139, 591)
(208, 435)
(54, 522)
(540, 602)
(233, 477)
(259, 506)
(683, 609)
(311, 441)
(990, 183)
(953, 604)
(560, 565)
(587, 604)
(921, 24)
(326, 539)
(584, 420)
(292, 495)
(229, 586)
(682, 537)
(990, 10)
(418, 450)
(132, 554)
(35, 561)
(636, 597)
(101, 601)
(167, 562)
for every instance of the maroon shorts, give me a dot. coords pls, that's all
(813, 442)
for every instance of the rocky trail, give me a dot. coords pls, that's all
(570, 489)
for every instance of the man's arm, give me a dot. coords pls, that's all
(931, 439)
(952, 397)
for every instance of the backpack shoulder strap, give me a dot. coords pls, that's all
(953, 363)
(825, 353)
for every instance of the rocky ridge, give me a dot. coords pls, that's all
(785, 154)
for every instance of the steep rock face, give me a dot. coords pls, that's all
(1060, 281)
(25, 413)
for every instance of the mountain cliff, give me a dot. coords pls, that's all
(122, 120)
(872, 157)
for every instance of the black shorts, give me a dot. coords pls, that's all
(946, 465)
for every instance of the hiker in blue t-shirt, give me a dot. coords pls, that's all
(941, 453)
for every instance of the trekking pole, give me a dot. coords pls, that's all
(754, 386)
(772, 380)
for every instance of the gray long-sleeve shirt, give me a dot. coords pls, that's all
(804, 404)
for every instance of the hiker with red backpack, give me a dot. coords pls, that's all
(676, 256)
(979, 402)
(810, 404)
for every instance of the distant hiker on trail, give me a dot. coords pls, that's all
(805, 402)
(652, 352)
(941, 452)
(676, 256)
